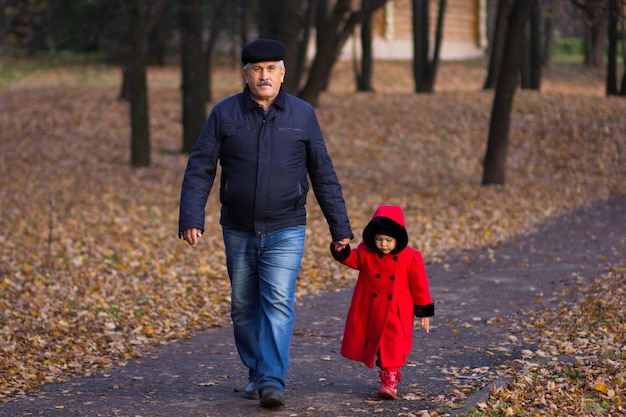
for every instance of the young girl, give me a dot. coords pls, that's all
(392, 286)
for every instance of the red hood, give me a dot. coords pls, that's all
(392, 212)
(387, 220)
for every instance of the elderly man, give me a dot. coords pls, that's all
(269, 145)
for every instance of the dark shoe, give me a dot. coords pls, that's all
(251, 392)
(272, 397)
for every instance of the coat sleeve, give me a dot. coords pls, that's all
(420, 290)
(350, 257)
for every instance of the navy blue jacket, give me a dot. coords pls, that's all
(264, 160)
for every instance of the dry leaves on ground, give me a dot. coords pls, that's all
(92, 272)
(579, 368)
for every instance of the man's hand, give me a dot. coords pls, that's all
(191, 235)
(340, 244)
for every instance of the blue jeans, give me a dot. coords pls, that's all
(263, 271)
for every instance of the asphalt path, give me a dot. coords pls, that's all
(483, 299)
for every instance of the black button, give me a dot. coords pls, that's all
(377, 275)
(389, 297)
(374, 295)
(395, 258)
(392, 277)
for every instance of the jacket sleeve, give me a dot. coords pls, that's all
(420, 291)
(325, 183)
(199, 176)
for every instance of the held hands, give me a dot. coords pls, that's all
(340, 244)
(191, 236)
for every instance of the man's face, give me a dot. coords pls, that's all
(264, 80)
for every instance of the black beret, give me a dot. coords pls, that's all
(263, 50)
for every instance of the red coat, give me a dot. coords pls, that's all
(390, 289)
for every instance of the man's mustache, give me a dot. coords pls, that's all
(262, 83)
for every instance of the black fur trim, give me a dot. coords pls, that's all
(424, 311)
(385, 226)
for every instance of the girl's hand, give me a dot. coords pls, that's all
(426, 324)
(340, 244)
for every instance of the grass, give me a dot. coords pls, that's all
(12, 71)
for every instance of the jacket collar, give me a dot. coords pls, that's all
(250, 104)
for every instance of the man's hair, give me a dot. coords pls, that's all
(281, 65)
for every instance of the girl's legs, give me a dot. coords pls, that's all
(390, 359)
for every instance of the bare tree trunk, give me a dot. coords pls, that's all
(499, 40)
(321, 14)
(194, 78)
(156, 32)
(437, 47)
(548, 34)
(125, 87)
(298, 69)
(332, 35)
(531, 72)
(421, 44)
(425, 68)
(364, 77)
(494, 166)
(623, 87)
(139, 119)
(284, 20)
(596, 12)
(243, 28)
(613, 34)
(217, 24)
(597, 39)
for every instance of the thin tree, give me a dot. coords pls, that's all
(151, 16)
(494, 165)
(535, 46)
(424, 68)
(498, 43)
(242, 6)
(611, 67)
(219, 13)
(531, 68)
(332, 35)
(596, 13)
(623, 19)
(616, 9)
(548, 33)
(322, 10)
(365, 73)
(298, 69)
(139, 113)
(194, 78)
(285, 20)
(160, 29)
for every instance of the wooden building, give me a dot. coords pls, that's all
(465, 30)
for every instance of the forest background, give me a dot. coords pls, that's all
(91, 270)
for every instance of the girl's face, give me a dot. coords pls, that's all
(385, 243)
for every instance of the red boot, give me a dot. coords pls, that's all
(390, 379)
